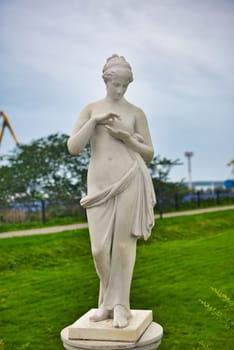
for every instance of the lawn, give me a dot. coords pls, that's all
(48, 281)
(27, 225)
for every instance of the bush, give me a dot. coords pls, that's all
(17, 215)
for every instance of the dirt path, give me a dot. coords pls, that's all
(55, 229)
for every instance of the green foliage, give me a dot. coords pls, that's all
(222, 313)
(43, 169)
(48, 281)
(224, 298)
(165, 190)
(161, 167)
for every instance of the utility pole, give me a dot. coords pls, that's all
(189, 156)
(231, 164)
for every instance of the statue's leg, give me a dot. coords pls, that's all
(123, 253)
(101, 221)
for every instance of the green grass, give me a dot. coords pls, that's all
(47, 282)
(27, 225)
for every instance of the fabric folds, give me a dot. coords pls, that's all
(144, 198)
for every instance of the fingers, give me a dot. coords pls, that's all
(112, 131)
(117, 133)
(108, 128)
(107, 119)
(113, 115)
(110, 117)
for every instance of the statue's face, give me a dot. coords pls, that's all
(117, 87)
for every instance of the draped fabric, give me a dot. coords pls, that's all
(117, 216)
(144, 197)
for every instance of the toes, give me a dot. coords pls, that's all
(99, 315)
(120, 323)
(121, 315)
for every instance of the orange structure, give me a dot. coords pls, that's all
(6, 123)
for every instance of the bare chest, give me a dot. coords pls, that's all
(126, 120)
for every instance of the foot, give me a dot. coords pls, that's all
(121, 317)
(100, 315)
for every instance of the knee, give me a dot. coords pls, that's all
(123, 251)
(99, 254)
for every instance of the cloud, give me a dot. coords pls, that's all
(52, 54)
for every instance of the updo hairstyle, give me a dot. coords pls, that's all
(115, 66)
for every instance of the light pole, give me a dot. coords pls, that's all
(189, 156)
(231, 163)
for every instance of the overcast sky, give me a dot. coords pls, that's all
(52, 53)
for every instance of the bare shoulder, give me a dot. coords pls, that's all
(93, 105)
(88, 109)
(139, 113)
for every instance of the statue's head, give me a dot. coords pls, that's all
(116, 66)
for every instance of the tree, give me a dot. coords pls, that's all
(44, 169)
(161, 167)
(166, 192)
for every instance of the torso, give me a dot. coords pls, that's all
(110, 158)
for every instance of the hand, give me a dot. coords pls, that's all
(105, 119)
(119, 134)
(139, 137)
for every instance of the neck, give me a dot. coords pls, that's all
(111, 100)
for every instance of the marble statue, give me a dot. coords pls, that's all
(120, 197)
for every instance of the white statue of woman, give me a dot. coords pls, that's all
(120, 198)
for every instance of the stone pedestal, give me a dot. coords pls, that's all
(141, 334)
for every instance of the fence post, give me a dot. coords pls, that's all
(198, 199)
(160, 204)
(43, 212)
(176, 198)
(218, 197)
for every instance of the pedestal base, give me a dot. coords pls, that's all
(149, 338)
(84, 329)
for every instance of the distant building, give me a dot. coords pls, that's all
(207, 185)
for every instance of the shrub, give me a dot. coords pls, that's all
(14, 215)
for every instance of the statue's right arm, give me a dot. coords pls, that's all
(82, 131)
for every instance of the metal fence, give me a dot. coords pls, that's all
(175, 202)
(41, 211)
(56, 210)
